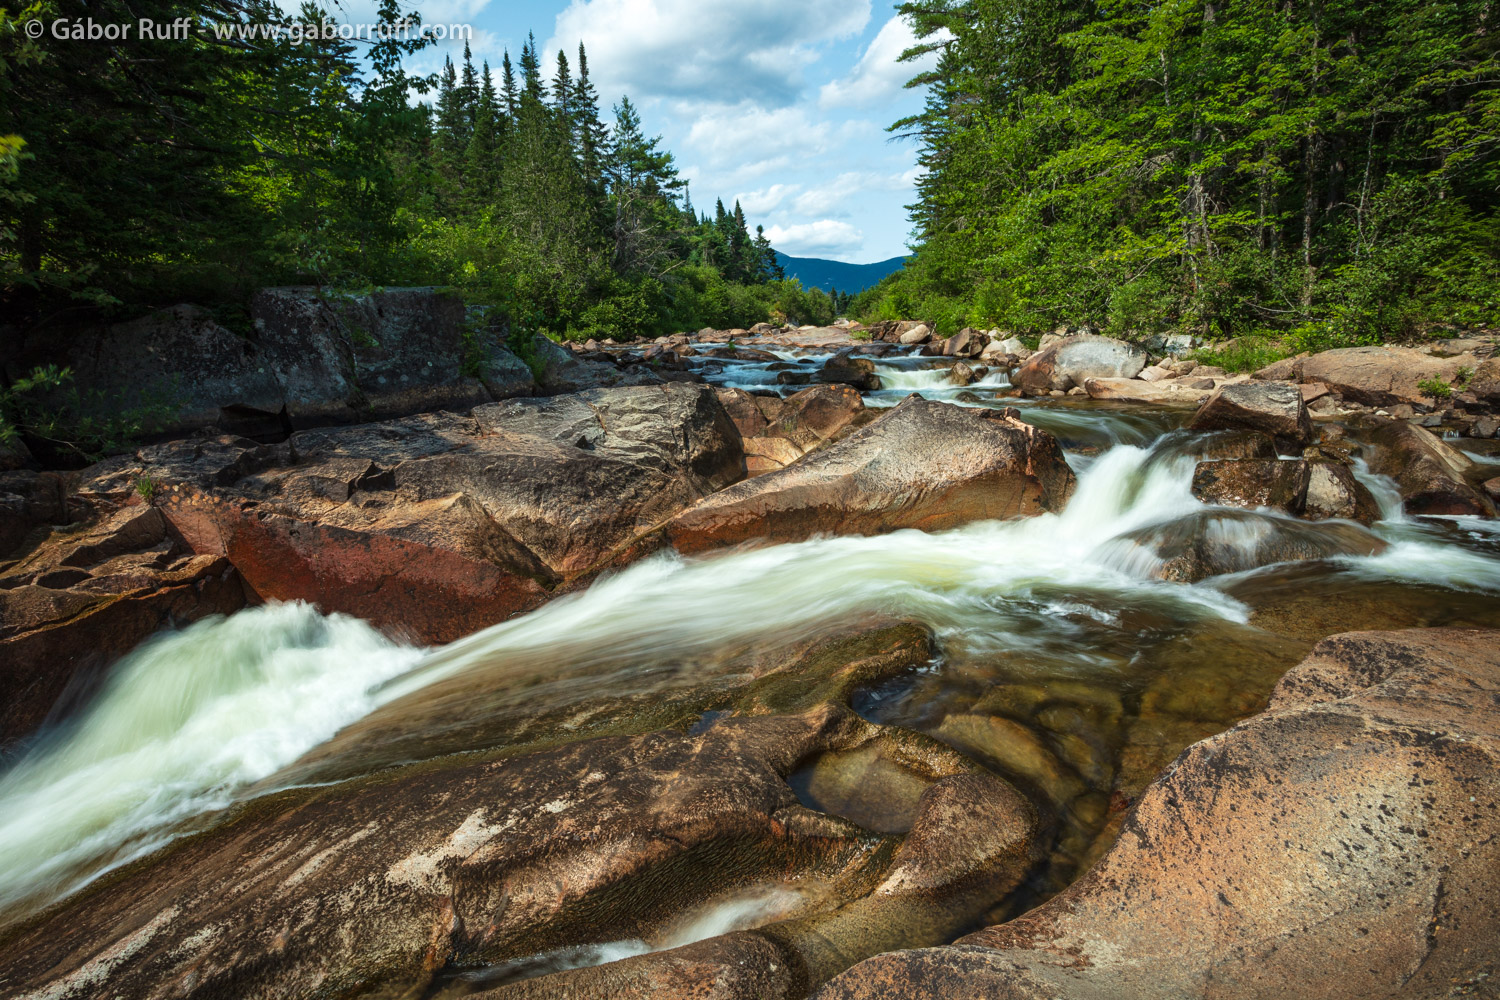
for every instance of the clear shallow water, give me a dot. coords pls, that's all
(199, 719)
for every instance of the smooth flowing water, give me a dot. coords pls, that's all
(1042, 623)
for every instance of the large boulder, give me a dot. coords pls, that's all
(1253, 483)
(179, 365)
(1072, 361)
(1333, 492)
(1274, 408)
(845, 369)
(1485, 383)
(777, 432)
(1316, 490)
(1430, 473)
(87, 594)
(923, 465)
(966, 343)
(307, 357)
(1343, 843)
(30, 502)
(346, 357)
(1372, 376)
(437, 525)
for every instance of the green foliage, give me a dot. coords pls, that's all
(147, 488)
(1435, 387)
(46, 408)
(200, 169)
(1243, 354)
(1326, 173)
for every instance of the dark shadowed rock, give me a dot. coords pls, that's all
(921, 465)
(15, 455)
(1274, 408)
(179, 362)
(1253, 483)
(1431, 474)
(560, 371)
(29, 502)
(1072, 361)
(1345, 841)
(845, 369)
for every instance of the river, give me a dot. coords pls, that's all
(1054, 625)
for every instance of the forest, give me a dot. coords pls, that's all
(1321, 172)
(142, 172)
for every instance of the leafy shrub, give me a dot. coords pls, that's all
(1435, 387)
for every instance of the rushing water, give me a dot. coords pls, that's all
(199, 719)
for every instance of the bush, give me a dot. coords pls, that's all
(1435, 387)
(1243, 354)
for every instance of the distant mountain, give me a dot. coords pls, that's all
(831, 274)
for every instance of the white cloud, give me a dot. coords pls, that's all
(824, 238)
(731, 49)
(878, 76)
(747, 135)
(766, 199)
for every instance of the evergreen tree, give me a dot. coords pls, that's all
(590, 131)
(562, 100)
(508, 86)
(482, 159)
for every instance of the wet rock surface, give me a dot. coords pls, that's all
(403, 879)
(87, 594)
(1343, 840)
(921, 465)
(1431, 475)
(1215, 543)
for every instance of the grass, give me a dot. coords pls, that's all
(1243, 354)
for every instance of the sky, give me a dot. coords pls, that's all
(781, 104)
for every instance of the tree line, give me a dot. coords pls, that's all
(1322, 171)
(144, 172)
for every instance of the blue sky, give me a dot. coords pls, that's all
(782, 104)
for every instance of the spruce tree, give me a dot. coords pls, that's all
(591, 133)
